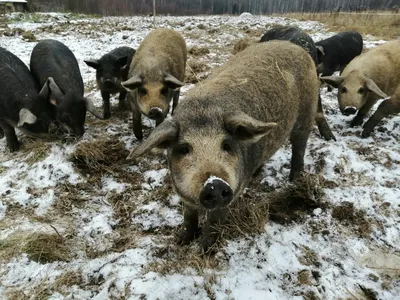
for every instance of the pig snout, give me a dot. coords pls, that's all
(109, 83)
(155, 113)
(349, 110)
(216, 193)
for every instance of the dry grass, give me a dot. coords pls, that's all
(196, 71)
(40, 247)
(381, 25)
(36, 150)
(242, 44)
(99, 155)
(198, 51)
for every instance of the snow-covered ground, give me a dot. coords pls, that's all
(118, 227)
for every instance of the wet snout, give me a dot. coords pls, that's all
(349, 110)
(155, 113)
(215, 194)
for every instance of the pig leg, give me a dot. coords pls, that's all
(11, 138)
(122, 97)
(387, 107)
(137, 121)
(322, 124)
(363, 111)
(298, 139)
(191, 224)
(106, 105)
(175, 100)
(211, 233)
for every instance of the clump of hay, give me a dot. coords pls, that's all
(297, 200)
(196, 71)
(198, 51)
(29, 36)
(99, 155)
(242, 44)
(348, 215)
(36, 150)
(40, 247)
(45, 248)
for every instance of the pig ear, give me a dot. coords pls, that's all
(245, 128)
(372, 87)
(132, 83)
(334, 81)
(92, 109)
(50, 88)
(171, 82)
(26, 116)
(94, 63)
(161, 137)
(122, 61)
(320, 49)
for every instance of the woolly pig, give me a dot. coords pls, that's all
(156, 73)
(111, 69)
(367, 78)
(231, 124)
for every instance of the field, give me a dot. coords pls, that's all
(78, 221)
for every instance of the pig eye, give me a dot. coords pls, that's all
(142, 91)
(182, 150)
(361, 90)
(343, 90)
(164, 90)
(227, 147)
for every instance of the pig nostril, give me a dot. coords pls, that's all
(226, 193)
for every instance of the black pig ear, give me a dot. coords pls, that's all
(245, 128)
(161, 137)
(51, 89)
(94, 63)
(122, 61)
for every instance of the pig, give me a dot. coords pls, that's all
(111, 69)
(335, 53)
(302, 39)
(23, 104)
(155, 76)
(366, 79)
(231, 124)
(52, 59)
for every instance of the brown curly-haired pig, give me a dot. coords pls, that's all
(156, 73)
(229, 125)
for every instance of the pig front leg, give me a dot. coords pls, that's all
(122, 97)
(175, 100)
(11, 138)
(387, 107)
(322, 124)
(211, 231)
(136, 120)
(359, 118)
(191, 225)
(106, 105)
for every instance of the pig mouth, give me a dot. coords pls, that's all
(349, 110)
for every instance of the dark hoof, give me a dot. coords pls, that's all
(356, 122)
(327, 134)
(366, 133)
(209, 244)
(294, 175)
(14, 147)
(107, 115)
(184, 238)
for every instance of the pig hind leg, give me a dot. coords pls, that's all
(121, 103)
(12, 141)
(322, 124)
(298, 139)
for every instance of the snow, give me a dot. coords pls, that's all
(365, 172)
(211, 180)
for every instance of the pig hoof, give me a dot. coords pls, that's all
(107, 115)
(356, 122)
(185, 238)
(209, 244)
(14, 147)
(366, 133)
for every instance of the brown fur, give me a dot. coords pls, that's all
(163, 51)
(242, 44)
(255, 102)
(381, 65)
